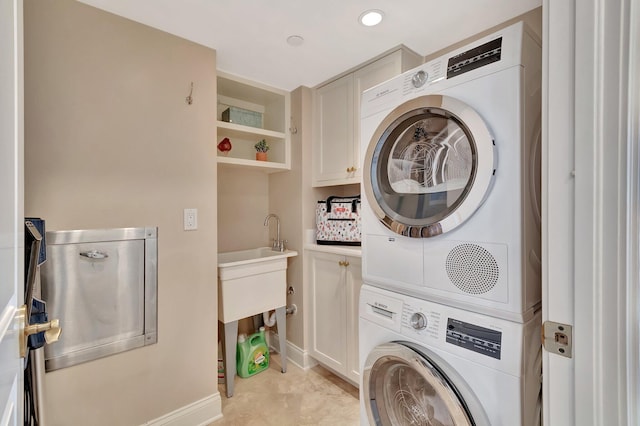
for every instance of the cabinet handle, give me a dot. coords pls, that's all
(351, 169)
(343, 263)
(346, 263)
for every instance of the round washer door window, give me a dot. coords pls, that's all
(404, 387)
(429, 166)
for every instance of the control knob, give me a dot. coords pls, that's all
(418, 321)
(419, 79)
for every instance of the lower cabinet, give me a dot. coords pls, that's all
(335, 282)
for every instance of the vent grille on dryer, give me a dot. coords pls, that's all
(472, 268)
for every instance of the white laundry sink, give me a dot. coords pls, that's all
(251, 282)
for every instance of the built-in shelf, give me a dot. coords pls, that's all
(266, 166)
(274, 106)
(238, 130)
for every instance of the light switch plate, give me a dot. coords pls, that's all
(190, 219)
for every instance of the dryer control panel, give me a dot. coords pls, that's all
(476, 57)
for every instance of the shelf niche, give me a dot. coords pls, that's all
(273, 104)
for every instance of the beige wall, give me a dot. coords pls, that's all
(110, 142)
(243, 204)
(285, 192)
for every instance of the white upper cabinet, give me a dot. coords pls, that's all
(336, 137)
(334, 150)
(255, 112)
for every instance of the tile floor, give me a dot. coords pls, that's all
(296, 398)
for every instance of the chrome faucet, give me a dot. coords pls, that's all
(278, 244)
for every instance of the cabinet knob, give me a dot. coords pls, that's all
(351, 169)
(343, 263)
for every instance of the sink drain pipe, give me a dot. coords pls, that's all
(270, 320)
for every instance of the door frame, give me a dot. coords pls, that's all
(12, 214)
(633, 217)
(590, 204)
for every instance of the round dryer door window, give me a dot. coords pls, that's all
(429, 166)
(406, 387)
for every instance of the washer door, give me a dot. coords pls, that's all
(429, 166)
(407, 385)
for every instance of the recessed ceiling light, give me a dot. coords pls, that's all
(295, 40)
(371, 17)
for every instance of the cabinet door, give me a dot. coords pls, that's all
(334, 133)
(354, 283)
(328, 310)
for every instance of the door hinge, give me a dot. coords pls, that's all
(557, 338)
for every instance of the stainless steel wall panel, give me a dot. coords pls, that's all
(102, 285)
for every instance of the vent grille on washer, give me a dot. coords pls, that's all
(472, 268)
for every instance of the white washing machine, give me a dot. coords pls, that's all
(423, 363)
(451, 178)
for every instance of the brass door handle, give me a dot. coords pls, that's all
(343, 263)
(51, 330)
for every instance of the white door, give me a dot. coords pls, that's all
(591, 105)
(11, 210)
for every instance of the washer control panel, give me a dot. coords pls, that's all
(420, 320)
(474, 338)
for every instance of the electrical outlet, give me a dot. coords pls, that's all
(190, 219)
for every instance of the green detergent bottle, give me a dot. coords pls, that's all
(252, 356)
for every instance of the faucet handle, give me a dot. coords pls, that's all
(283, 245)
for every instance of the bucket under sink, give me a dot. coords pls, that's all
(251, 282)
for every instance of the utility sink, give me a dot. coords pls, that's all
(251, 282)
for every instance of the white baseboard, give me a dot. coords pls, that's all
(295, 355)
(199, 413)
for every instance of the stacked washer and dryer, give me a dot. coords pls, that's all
(449, 330)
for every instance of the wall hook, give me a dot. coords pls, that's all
(189, 99)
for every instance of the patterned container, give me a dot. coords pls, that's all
(338, 221)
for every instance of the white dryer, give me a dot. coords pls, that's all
(424, 363)
(451, 178)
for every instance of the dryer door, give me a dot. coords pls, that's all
(429, 166)
(407, 385)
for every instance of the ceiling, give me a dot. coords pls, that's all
(250, 35)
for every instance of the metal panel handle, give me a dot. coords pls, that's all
(94, 254)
